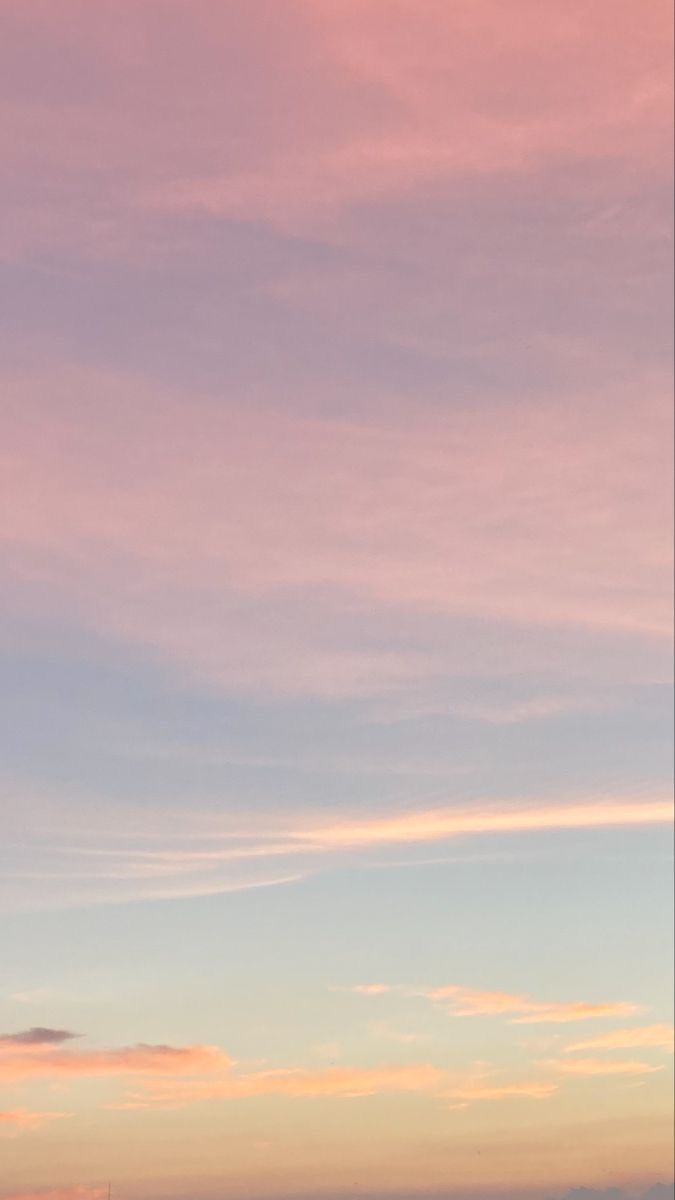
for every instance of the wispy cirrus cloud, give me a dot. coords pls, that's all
(232, 511)
(657, 1037)
(420, 66)
(348, 1083)
(524, 1010)
(460, 1001)
(442, 824)
(591, 1067)
(378, 82)
(214, 855)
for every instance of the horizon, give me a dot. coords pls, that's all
(659, 1191)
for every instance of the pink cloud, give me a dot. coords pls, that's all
(208, 855)
(474, 92)
(351, 105)
(442, 824)
(171, 543)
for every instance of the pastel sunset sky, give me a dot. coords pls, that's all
(336, 606)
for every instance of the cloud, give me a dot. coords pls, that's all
(423, 66)
(599, 1066)
(37, 1061)
(658, 1037)
(215, 855)
(460, 1001)
(534, 1089)
(182, 542)
(23, 1120)
(339, 1082)
(442, 824)
(37, 1037)
(347, 1083)
(523, 1010)
(371, 989)
(353, 105)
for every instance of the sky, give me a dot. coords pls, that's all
(336, 606)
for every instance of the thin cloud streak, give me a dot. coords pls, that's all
(231, 512)
(458, 1001)
(18, 1063)
(440, 824)
(657, 1037)
(109, 867)
(592, 1067)
(24, 1120)
(348, 1083)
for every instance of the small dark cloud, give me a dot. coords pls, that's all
(37, 1037)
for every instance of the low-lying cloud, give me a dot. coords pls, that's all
(459, 1089)
(38, 1061)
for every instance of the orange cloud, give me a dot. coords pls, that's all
(529, 1090)
(522, 1010)
(441, 824)
(342, 1083)
(658, 1037)
(371, 989)
(19, 1063)
(23, 1120)
(599, 1066)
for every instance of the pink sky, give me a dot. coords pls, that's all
(336, 472)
